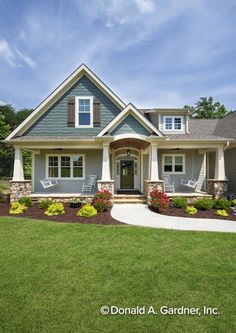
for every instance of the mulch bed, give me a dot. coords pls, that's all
(35, 212)
(207, 214)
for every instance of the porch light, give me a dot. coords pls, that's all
(128, 151)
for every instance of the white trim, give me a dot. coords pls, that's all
(33, 170)
(205, 171)
(173, 123)
(173, 164)
(141, 170)
(77, 99)
(130, 109)
(59, 92)
(59, 167)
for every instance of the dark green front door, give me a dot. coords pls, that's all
(127, 174)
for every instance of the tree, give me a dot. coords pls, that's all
(9, 120)
(207, 108)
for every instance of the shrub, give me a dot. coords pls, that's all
(45, 203)
(158, 200)
(55, 208)
(233, 203)
(104, 194)
(221, 204)
(179, 202)
(75, 203)
(191, 210)
(102, 204)
(221, 212)
(102, 200)
(26, 201)
(203, 203)
(87, 211)
(17, 208)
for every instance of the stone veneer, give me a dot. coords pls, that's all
(217, 188)
(106, 185)
(18, 189)
(150, 185)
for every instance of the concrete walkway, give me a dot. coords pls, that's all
(141, 215)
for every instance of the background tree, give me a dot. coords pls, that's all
(9, 120)
(207, 108)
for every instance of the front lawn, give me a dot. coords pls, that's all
(55, 277)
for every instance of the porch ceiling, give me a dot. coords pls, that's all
(135, 143)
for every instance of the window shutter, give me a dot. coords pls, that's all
(96, 112)
(71, 112)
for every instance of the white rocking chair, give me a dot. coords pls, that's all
(89, 186)
(48, 183)
(189, 182)
(168, 186)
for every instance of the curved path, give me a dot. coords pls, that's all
(141, 215)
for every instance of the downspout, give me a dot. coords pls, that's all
(227, 145)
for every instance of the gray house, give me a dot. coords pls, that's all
(84, 129)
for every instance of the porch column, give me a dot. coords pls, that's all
(18, 172)
(154, 163)
(106, 162)
(220, 164)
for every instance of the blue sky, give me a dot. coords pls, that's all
(153, 53)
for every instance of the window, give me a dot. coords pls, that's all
(172, 123)
(65, 166)
(53, 166)
(84, 111)
(174, 163)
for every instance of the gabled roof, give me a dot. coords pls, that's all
(59, 92)
(130, 109)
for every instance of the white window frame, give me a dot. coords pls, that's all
(77, 99)
(59, 167)
(173, 164)
(173, 123)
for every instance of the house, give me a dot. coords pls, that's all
(83, 128)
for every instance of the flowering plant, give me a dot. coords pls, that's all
(158, 200)
(102, 200)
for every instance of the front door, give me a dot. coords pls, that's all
(127, 174)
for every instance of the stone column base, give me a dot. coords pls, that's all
(106, 185)
(150, 185)
(19, 189)
(217, 188)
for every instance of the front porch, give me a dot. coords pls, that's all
(121, 164)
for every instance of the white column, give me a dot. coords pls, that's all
(106, 162)
(154, 162)
(18, 172)
(220, 164)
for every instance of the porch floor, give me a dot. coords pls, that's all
(61, 195)
(188, 194)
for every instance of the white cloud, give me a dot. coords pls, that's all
(2, 103)
(22, 35)
(6, 53)
(26, 59)
(13, 57)
(145, 6)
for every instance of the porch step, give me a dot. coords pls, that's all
(133, 198)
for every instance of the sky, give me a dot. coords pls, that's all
(152, 53)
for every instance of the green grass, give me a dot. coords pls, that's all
(55, 277)
(4, 186)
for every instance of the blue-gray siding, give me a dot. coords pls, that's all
(130, 125)
(54, 121)
(93, 165)
(195, 167)
(230, 169)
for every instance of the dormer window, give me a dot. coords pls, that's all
(173, 123)
(84, 111)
